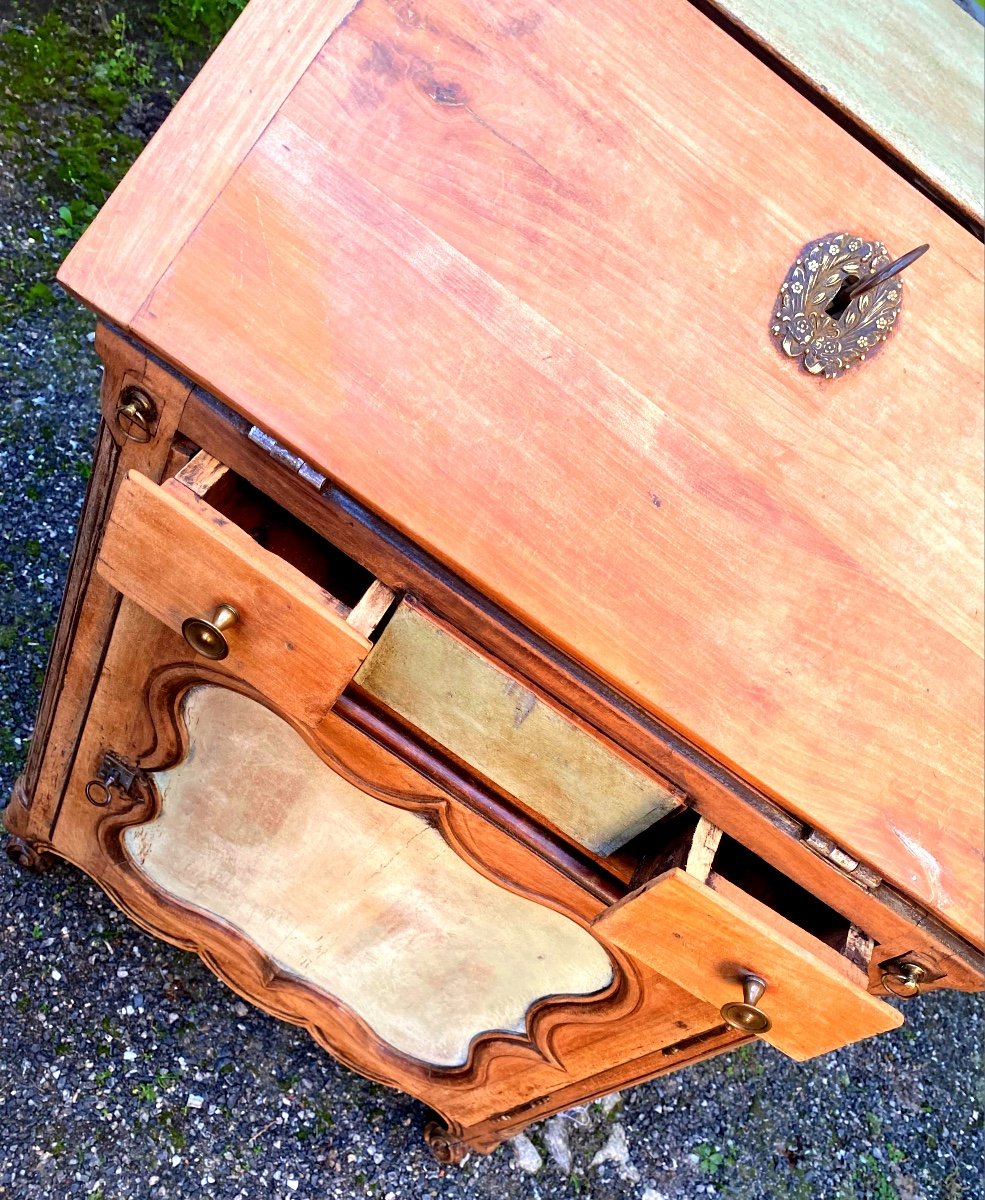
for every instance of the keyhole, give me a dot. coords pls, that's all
(842, 298)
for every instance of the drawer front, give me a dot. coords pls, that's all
(706, 936)
(177, 557)
(513, 736)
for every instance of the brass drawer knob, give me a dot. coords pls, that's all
(205, 636)
(745, 1015)
(135, 415)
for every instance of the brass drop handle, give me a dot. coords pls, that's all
(745, 1015)
(205, 636)
(135, 415)
(904, 980)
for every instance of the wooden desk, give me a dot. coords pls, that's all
(454, 350)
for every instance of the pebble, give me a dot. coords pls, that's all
(525, 1154)
(555, 1135)
(616, 1151)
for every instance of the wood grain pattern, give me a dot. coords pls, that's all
(478, 326)
(706, 940)
(912, 74)
(171, 185)
(177, 557)
(895, 921)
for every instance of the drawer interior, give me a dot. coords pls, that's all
(708, 914)
(688, 842)
(346, 582)
(524, 743)
(770, 887)
(297, 613)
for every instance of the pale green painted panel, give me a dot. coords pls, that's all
(912, 71)
(512, 736)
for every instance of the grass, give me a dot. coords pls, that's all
(80, 95)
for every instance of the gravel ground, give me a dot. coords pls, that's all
(127, 1070)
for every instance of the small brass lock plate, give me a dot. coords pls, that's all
(815, 319)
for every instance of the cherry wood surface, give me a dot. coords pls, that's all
(507, 274)
(177, 557)
(706, 936)
(166, 192)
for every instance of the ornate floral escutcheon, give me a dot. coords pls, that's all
(830, 342)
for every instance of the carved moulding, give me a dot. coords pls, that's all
(258, 977)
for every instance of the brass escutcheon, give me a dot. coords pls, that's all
(744, 1014)
(205, 635)
(136, 414)
(839, 302)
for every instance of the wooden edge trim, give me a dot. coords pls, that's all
(486, 1136)
(141, 228)
(201, 474)
(704, 847)
(372, 608)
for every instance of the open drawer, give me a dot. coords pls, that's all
(294, 613)
(552, 764)
(714, 915)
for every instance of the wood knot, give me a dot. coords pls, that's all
(451, 93)
(439, 87)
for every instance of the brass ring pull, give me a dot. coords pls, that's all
(205, 636)
(135, 415)
(745, 1015)
(905, 980)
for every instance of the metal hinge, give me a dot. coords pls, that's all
(293, 462)
(846, 863)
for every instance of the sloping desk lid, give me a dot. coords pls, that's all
(506, 273)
